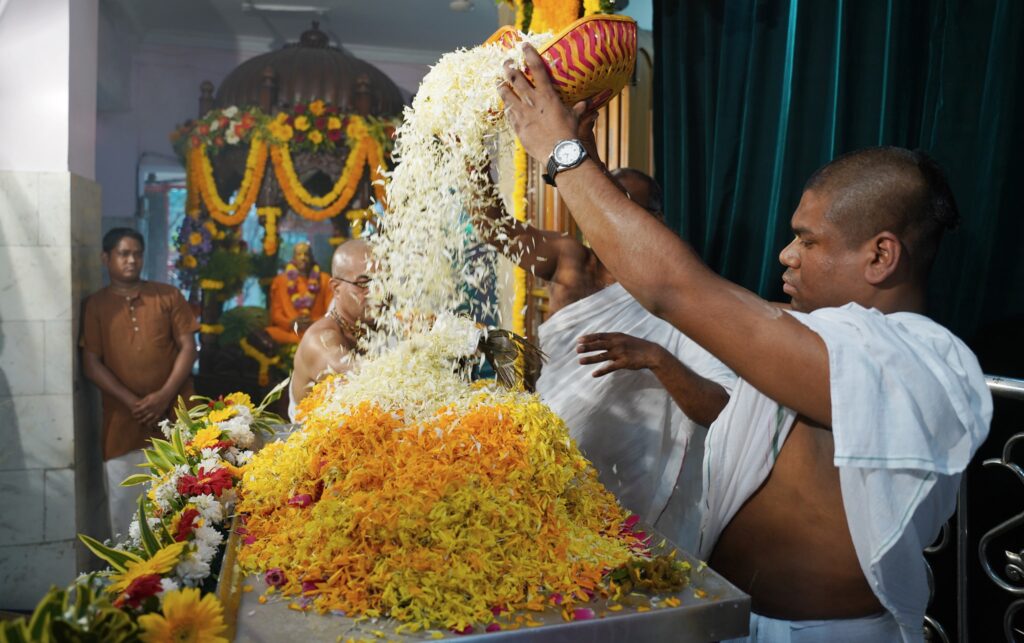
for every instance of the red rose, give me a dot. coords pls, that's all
(139, 590)
(334, 135)
(299, 137)
(204, 129)
(219, 141)
(300, 108)
(239, 129)
(320, 122)
(223, 121)
(188, 518)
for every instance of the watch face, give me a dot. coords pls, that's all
(567, 152)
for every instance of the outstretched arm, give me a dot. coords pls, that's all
(698, 397)
(773, 351)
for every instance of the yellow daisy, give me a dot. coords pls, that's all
(206, 437)
(219, 415)
(241, 399)
(162, 562)
(302, 123)
(316, 137)
(186, 617)
(316, 108)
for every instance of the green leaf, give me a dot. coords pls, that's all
(117, 558)
(179, 446)
(48, 609)
(149, 542)
(274, 394)
(14, 632)
(157, 460)
(137, 479)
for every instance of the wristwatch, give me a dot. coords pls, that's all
(568, 153)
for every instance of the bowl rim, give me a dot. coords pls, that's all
(595, 17)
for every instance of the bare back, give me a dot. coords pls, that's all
(579, 274)
(789, 545)
(323, 350)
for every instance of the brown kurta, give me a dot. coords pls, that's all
(136, 338)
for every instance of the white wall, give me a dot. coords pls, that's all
(35, 50)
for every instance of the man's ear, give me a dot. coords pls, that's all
(886, 254)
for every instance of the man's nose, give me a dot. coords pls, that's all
(789, 257)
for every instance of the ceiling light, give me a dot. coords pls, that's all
(460, 5)
(283, 8)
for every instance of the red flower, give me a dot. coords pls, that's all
(301, 500)
(214, 483)
(334, 135)
(248, 120)
(320, 122)
(195, 141)
(299, 137)
(185, 524)
(331, 109)
(239, 129)
(139, 590)
(223, 121)
(204, 129)
(219, 141)
(300, 108)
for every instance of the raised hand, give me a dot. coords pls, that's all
(535, 110)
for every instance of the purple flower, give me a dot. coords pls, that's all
(493, 627)
(582, 614)
(275, 577)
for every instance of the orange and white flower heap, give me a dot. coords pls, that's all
(414, 494)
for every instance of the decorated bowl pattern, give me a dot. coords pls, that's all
(593, 58)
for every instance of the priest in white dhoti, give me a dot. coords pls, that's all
(839, 456)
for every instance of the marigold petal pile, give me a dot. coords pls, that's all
(433, 519)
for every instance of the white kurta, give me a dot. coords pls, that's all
(909, 408)
(626, 423)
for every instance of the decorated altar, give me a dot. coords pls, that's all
(298, 139)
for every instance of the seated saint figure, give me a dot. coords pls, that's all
(298, 296)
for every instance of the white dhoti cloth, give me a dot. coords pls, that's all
(909, 408)
(625, 422)
(122, 502)
(881, 628)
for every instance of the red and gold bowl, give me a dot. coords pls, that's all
(591, 59)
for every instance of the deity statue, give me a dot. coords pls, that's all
(298, 296)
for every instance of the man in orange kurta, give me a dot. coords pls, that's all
(298, 297)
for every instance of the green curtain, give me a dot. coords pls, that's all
(751, 96)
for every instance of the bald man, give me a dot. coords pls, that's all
(328, 345)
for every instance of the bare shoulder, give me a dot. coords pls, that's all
(320, 338)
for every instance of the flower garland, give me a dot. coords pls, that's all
(270, 216)
(211, 284)
(264, 361)
(538, 16)
(519, 213)
(230, 214)
(367, 152)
